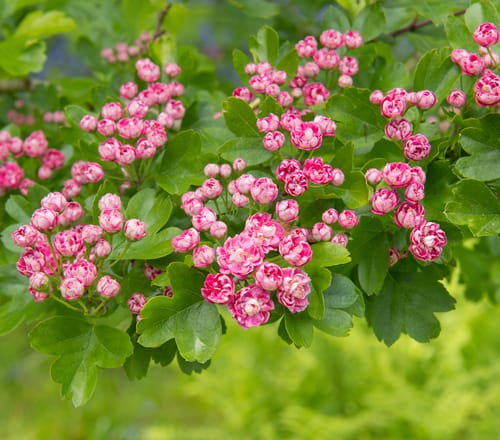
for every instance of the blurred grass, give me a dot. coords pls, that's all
(259, 388)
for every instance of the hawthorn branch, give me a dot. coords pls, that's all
(15, 85)
(415, 24)
(159, 21)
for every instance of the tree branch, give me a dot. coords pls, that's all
(159, 21)
(414, 25)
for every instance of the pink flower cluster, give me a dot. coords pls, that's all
(136, 126)
(398, 181)
(65, 258)
(481, 65)
(123, 52)
(393, 106)
(13, 149)
(30, 113)
(266, 80)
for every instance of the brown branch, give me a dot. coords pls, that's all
(15, 85)
(414, 25)
(159, 21)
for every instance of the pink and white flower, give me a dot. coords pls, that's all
(294, 291)
(250, 306)
(186, 241)
(134, 229)
(108, 287)
(218, 288)
(239, 256)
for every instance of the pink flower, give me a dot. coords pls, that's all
(397, 174)
(211, 188)
(134, 229)
(191, 204)
(326, 125)
(111, 220)
(287, 210)
(186, 241)
(35, 145)
(456, 98)
(44, 219)
(218, 229)
(71, 288)
(73, 212)
(307, 47)
(376, 96)
(239, 200)
(266, 234)
(290, 121)
(286, 167)
(239, 256)
(348, 66)
(340, 239)
(353, 39)
(225, 170)
(471, 64)
(102, 248)
(393, 106)
(409, 215)
(294, 291)
(239, 164)
(147, 70)
(110, 201)
(348, 219)
(24, 236)
(108, 287)
(136, 302)
(250, 306)
(203, 219)
(315, 93)
(106, 127)
(416, 147)
(427, 241)
(112, 110)
(330, 216)
(144, 149)
(175, 109)
(426, 99)
(338, 176)
(88, 123)
(68, 243)
(273, 140)
(264, 190)
(321, 232)
(83, 270)
(317, 171)
(211, 170)
(394, 256)
(218, 288)
(11, 175)
(487, 89)
(414, 192)
(130, 128)
(172, 69)
(296, 183)
(384, 200)
(128, 90)
(486, 34)
(71, 188)
(243, 93)
(295, 251)
(203, 256)
(269, 123)
(31, 261)
(268, 276)
(39, 281)
(326, 59)
(91, 234)
(53, 159)
(398, 129)
(332, 39)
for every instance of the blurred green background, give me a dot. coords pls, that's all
(259, 388)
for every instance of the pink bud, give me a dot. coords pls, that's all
(44, 219)
(136, 302)
(108, 287)
(134, 229)
(111, 220)
(348, 219)
(203, 256)
(211, 170)
(218, 229)
(102, 248)
(287, 210)
(71, 288)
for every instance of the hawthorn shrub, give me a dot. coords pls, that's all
(348, 173)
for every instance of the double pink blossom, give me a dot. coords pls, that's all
(294, 290)
(239, 256)
(250, 306)
(218, 288)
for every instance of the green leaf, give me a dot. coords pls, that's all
(179, 169)
(74, 113)
(476, 206)
(354, 192)
(407, 304)
(265, 45)
(21, 56)
(15, 301)
(289, 63)
(299, 327)
(165, 353)
(336, 18)
(336, 322)
(479, 13)
(152, 209)
(370, 22)
(21, 208)
(458, 34)
(357, 120)
(240, 60)
(191, 367)
(38, 24)
(164, 49)
(326, 254)
(435, 71)
(240, 118)
(81, 348)
(137, 365)
(194, 323)
(153, 245)
(484, 159)
(251, 149)
(321, 279)
(256, 8)
(438, 189)
(370, 249)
